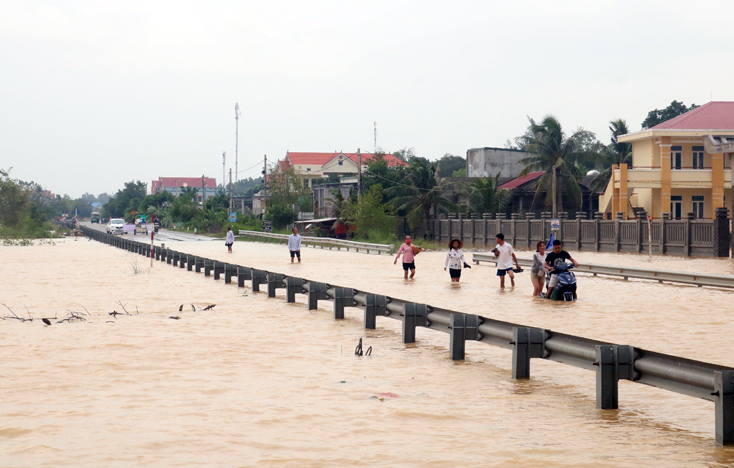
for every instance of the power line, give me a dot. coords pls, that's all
(410, 186)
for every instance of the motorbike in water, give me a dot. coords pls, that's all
(565, 289)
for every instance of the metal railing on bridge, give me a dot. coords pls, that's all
(321, 242)
(669, 276)
(611, 362)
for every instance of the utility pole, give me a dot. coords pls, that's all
(224, 163)
(230, 191)
(265, 181)
(236, 137)
(203, 189)
(359, 176)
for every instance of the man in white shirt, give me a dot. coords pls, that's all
(294, 245)
(505, 255)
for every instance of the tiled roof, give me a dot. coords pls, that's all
(180, 181)
(319, 159)
(284, 165)
(514, 183)
(716, 115)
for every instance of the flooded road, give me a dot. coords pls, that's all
(258, 382)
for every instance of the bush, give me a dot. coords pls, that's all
(281, 216)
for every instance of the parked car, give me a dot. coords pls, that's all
(115, 226)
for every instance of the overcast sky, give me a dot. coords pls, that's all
(97, 93)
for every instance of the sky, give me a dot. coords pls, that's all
(97, 93)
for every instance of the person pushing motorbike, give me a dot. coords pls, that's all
(557, 257)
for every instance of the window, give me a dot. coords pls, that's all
(676, 206)
(308, 169)
(341, 163)
(697, 157)
(676, 156)
(697, 206)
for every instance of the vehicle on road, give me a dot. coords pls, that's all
(116, 226)
(565, 290)
(95, 217)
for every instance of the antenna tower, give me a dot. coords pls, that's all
(236, 139)
(375, 151)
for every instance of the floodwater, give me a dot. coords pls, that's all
(258, 382)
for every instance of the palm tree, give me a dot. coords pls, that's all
(485, 196)
(557, 155)
(615, 153)
(421, 193)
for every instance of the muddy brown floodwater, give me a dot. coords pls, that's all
(258, 382)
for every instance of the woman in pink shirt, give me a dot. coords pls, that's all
(408, 258)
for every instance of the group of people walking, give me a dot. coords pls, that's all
(507, 264)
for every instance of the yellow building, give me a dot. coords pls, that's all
(680, 166)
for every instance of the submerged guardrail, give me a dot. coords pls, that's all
(698, 279)
(611, 362)
(321, 242)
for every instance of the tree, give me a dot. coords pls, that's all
(371, 217)
(449, 164)
(657, 116)
(420, 193)
(485, 196)
(615, 153)
(120, 204)
(557, 155)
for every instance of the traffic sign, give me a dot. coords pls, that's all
(267, 226)
(233, 217)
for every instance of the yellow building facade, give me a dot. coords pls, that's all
(675, 167)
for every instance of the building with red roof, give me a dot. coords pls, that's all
(680, 166)
(176, 185)
(311, 166)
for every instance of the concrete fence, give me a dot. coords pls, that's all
(610, 362)
(702, 237)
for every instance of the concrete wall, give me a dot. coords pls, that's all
(488, 162)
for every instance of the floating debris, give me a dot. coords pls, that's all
(46, 321)
(175, 317)
(209, 307)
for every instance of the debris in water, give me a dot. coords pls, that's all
(174, 317)
(180, 308)
(46, 321)
(193, 308)
(209, 307)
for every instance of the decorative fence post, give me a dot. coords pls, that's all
(722, 236)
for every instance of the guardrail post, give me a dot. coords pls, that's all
(343, 297)
(208, 266)
(169, 256)
(199, 264)
(218, 269)
(275, 281)
(190, 262)
(293, 286)
(463, 327)
(316, 292)
(527, 343)
(157, 253)
(414, 315)
(724, 406)
(374, 305)
(182, 260)
(258, 277)
(606, 377)
(229, 271)
(243, 273)
(392, 249)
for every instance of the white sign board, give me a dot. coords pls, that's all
(555, 224)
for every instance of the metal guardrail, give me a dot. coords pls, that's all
(611, 362)
(321, 242)
(669, 276)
